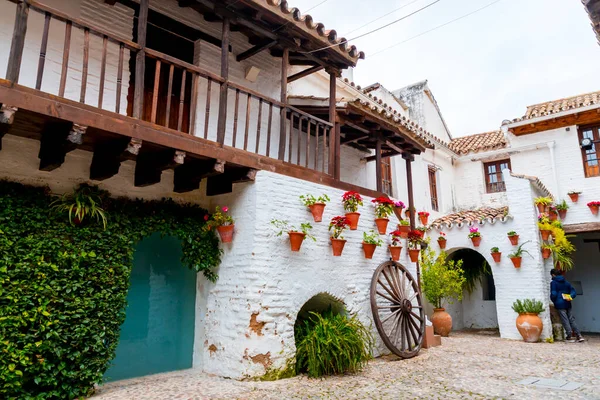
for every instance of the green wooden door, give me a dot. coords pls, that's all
(158, 332)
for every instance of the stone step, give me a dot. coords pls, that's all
(431, 339)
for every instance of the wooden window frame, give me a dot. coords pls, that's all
(499, 186)
(433, 188)
(590, 171)
(386, 176)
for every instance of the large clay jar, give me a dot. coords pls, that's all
(529, 326)
(317, 211)
(442, 322)
(353, 218)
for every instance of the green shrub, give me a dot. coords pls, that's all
(441, 279)
(530, 306)
(328, 344)
(63, 287)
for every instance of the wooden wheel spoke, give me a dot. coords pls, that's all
(392, 285)
(406, 327)
(389, 316)
(385, 297)
(416, 316)
(412, 327)
(396, 279)
(391, 292)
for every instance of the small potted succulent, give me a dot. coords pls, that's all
(547, 250)
(384, 207)
(475, 236)
(562, 208)
(574, 195)
(404, 228)
(395, 247)
(297, 236)
(351, 201)
(336, 227)
(517, 256)
(371, 242)
(315, 204)
(496, 254)
(398, 207)
(529, 323)
(415, 240)
(544, 225)
(223, 222)
(542, 203)
(594, 205)
(513, 237)
(442, 240)
(423, 217)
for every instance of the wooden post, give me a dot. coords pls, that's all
(18, 42)
(338, 156)
(333, 151)
(283, 112)
(140, 60)
(378, 171)
(224, 86)
(409, 182)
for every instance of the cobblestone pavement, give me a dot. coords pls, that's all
(467, 366)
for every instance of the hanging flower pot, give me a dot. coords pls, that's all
(574, 196)
(338, 246)
(414, 255)
(496, 255)
(475, 236)
(353, 218)
(382, 224)
(442, 243)
(546, 253)
(562, 214)
(404, 229)
(296, 239)
(541, 208)
(226, 233)
(553, 215)
(514, 238)
(395, 252)
(545, 234)
(594, 205)
(398, 207)
(370, 242)
(423, 217)
(516, 261)
(476, 241)
(369, 250)
(317, 211)
(337, 226)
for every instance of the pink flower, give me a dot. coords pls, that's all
(473, 229)
(225, 209)
(206, 217)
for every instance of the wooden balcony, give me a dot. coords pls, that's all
(166, 113)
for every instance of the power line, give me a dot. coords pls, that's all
(381, 17)
(434, 29)
(374, 30)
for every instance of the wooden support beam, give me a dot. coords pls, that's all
(107, 158)
(7, 117)
(222, 122)
(265, 45)
(409, 182)
(284, 100)
(58, 139)
(306, 72)
(223, 184)
(332, 119)
(383, 155)
(356, 139)
(140, 60)
(188, 177)
(378, 167)
(18, 42)
(150, 165)
(394, 147)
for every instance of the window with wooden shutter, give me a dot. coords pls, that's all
(386, 176)
(591, 157)
(494, 180)
(433, 189)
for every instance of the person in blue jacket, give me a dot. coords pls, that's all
(559, 287)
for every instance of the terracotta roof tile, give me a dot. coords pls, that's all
(557, 106)
(467, 217)
(480, 142)
(593, 9)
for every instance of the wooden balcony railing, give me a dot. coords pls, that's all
(179, 96)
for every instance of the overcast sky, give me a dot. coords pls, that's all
(482, 69)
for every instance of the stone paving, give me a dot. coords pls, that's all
(469, 365)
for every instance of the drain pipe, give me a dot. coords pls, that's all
(551, 146)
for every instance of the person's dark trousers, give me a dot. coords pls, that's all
(568, 322)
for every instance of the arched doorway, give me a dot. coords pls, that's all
(158, 332)
(478, 307)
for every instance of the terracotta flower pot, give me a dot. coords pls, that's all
(414, 255)
(546, 253)
(545, 234)
(317, 211)
(562, 214)
(442, 322)
(553, 216)
(226, 233)
(594, 209)
(404, 229)
(574, 197)
(395, 252)
(442, 244)
(530, 327)
(338, 246)
(476, 241)
(382, 224)
(514, 240)
(516, 261)
(496, 257)
(541, 208)
(296, 239)
(424, 219)
(353, 218)
(369, 249)
(407, 214)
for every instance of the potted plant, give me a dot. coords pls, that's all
(315, 204)
(529, 323)
(404, 228)
(542, 203)
(442, 240)
(336, 227)
(409, 211)
(423, 217)
(544, 226)
(475, 236)
(562, 208)
(415, 239)
(351, 201)
(297, 236)
(398, 207)
(223, 222)
(513, 237)
(496, 254)
(562, 260)
(370, 242)
(594, 205)
(552, 213)
(547, 250)
(442, 281)
(517, 256)
(395, 247)
(85, 201)
(574, 195)
(384, 207)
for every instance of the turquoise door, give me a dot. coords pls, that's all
(158, 332)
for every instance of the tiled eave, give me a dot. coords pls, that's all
(480, 216)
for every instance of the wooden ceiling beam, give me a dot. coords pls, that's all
(109, 155)
(223, 184)
(306, 72)
(265, 45)
(188, 177)
(58, 139)
(150, 165)
(383, 155)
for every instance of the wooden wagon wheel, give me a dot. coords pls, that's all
(398, 309)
